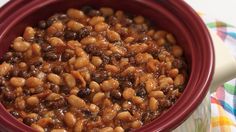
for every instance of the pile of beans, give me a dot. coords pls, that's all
(91, 70)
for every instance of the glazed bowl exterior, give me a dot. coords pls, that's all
(174, 16)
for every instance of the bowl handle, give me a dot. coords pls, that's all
(225, 63)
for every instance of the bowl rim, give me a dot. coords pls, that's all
(7, 9)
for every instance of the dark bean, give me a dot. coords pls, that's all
(33, 71)
(37, 63)
(2, 88)
(181, 88)
(59, 34)
(28, 121)
(46, 47)
(42, 24)
(55, 88)
(126, 84)
(23, 74)
(7, 57)
(87, 113)
(37, 90)
(51, 20)
(64, 89)
(66, 56)
(2, 81)
(128, 130)
(115, 94)
(142, 39)
(57, 69)
(84, 93)
(15, 114)
(116, 56)
(167, 47)
(39, 40)
(112, 20)
(14, 73)
(141, 91)
(126, 22)
(99, 76)
(93, 13)
(8, 96)
(17, 55)
(86, 9)
(105, 59)
(56, 104)
(178, 63)
(70, 35)
(83, 32)
(63, 17)
(50, 56)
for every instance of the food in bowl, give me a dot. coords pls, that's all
(91, 70)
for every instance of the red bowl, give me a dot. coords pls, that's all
(171, 15)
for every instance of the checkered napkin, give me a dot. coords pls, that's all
(223, 101)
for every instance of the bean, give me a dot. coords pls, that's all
(17, 81)
(128, 93)
(109, 85)
(179, 80)
(21, 46)
(81, 62)
(101, 27)
(97, 61)
(150, 85)
(76, 101)
(153, 104)
(157, 94)
(177, 51)
(106, 11)
(124, 116)
(170, 38)
(55, 41)
(118, 129)
(58, 130)
(137, 100)
(36, 49)
(79, 126)
(74, 26)
(173, 72)
(143, 57)
(88, 40)
(106, 129)
(139, 20)
(98, 98)
(33, 82)
(136, 124)
(37, 128)
(113, 36)
(70, 80)
(94, 108)
(29, 33)
(95, 20)
(69, 119)
(20, 103)
(94, 86)
(75, 14)
(32, 101)
(54, 78)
